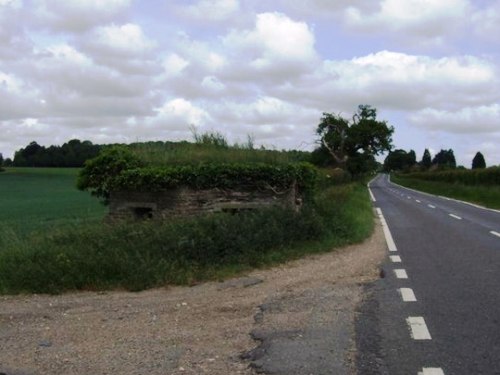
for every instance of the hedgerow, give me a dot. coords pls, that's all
(119, 169)
(472, 177)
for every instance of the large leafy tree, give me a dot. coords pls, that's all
(399, 160)
(353, 143)
(478, 161)
(445, 159)
(426, 161)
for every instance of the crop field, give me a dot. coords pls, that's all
(33, 199)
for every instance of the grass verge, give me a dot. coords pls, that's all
(137, 256)
(487, 196)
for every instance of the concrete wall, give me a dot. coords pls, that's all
(185, 201)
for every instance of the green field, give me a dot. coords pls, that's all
(38, 198)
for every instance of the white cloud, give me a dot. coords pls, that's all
(173, 65)
(275, 37)
(124, 39)
(78, 15)
(486, 21)
(397, 81)
(473, 120)
(420, 18)
(179, 114)
(213, 10)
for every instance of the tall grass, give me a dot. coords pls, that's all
(185, 153)
(135, 255)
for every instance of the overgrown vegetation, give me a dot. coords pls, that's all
(476, 186)
(141, 255)
(120, 168)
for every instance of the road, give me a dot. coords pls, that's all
(436, 309)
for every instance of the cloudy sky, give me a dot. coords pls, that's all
(137, 70)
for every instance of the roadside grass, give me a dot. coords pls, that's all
(33, 199)
(487, 196)
(140, 255)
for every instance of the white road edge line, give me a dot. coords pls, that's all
(431, 371)
(401, 273)
(418, 328)
(407, 295)
(371, 195)
(455, 217)
(395, 259)
(387, 233)
(495, 233)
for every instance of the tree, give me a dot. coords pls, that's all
(352, 144)
(399, 160)
(1, 162)
(445, 159)
(478, 161)
(426, 161)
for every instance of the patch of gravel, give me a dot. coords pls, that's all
(205, 329)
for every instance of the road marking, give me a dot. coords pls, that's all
(431, 206)
(387, 233)
(371, 194)
(418, 328)
(495, 233)
(417, 201)
(395, 259)
(431, 371)
(401, 273)
(409, 197)
(407, 295)
(455, 217)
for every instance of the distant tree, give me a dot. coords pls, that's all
(352, 144)
(7, 162)
(445, 159)
(426, 161)
(399, 160)
(1, 162)
(478, 161)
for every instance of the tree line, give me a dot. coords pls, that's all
(401, 160)
(71, 154)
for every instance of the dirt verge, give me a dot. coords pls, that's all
(197, 330)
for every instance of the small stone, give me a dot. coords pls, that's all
(181, 369)
(45, 344)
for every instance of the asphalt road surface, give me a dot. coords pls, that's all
(436, 309)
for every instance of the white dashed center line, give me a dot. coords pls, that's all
(417, 201)
(418, 328)
(495, 233)
(431, 206)
(407, 295)
(431, 371)
(455, 217)
(401, 273)
(395, 259)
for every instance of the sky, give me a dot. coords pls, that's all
(139, 70)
